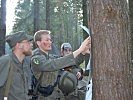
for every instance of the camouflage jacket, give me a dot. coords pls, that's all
(50, 67)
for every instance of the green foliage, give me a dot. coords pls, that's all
(24, 16)
(65, 18)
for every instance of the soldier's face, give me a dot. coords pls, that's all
(27, 47)
(66, 52)
(45, 43)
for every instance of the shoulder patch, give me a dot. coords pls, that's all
(36, 61)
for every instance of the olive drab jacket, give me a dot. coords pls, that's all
(50, 66)
(18, 87)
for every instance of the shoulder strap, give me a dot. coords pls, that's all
(8, 83)
(38, 83)
(39, 80)
(58, 78)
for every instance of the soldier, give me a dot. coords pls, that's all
(43, 63)
(66, 49)
(13, 79)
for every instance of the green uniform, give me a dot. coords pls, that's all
(18, 86)
(75, 94)
(50, 66)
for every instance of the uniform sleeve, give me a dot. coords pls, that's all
(4, 69)
(40, 63)
(79, 59)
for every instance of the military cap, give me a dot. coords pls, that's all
(66, 46)
(17, 37)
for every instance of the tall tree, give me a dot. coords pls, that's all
(2, 27)
(131, 24)
(130, 2)
(48, 14)
(36, 15)
(112, 74)
(63, 16)
(24, 13)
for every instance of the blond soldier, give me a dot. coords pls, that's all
(42, 62)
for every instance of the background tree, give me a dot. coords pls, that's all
(62, 17)
(24, 16)
(111, 56)
(2, 26)
(36, 15)
(48, 14)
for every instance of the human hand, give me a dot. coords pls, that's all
(86, 52)
(85, 46)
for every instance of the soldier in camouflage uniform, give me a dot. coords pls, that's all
(43, 62)
(21, 47)
(66, 49)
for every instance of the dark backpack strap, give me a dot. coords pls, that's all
(37, 85)
(58, 79)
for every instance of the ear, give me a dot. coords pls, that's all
(38, 43)
(62, 53)
(19, 45)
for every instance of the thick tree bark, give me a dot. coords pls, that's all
(131, 24)
(130, 2)
(112, 75)
(2, 27)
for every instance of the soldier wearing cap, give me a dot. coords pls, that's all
(66, 49)
(43, 62)
(13, 78)
(77, 72)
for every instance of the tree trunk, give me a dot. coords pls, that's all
(131, 24)
(131, 32)
(112, 74)
(48, 14)
(36, 15)
(2, 27)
